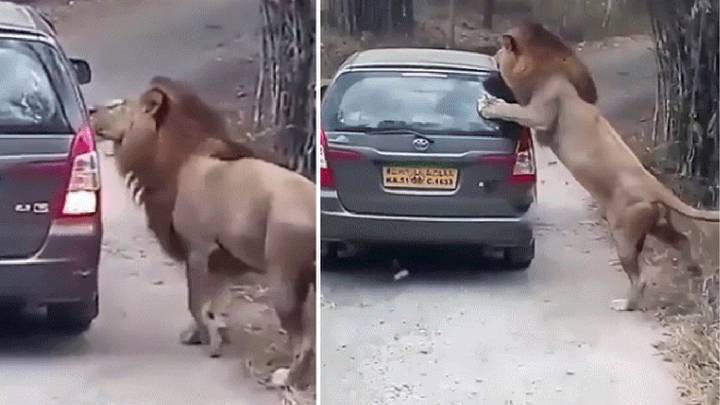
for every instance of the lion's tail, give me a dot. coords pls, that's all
(672, 201)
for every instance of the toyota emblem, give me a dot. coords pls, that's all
(421, 144)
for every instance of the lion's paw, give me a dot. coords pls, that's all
(279, 377)
(194, 335)
(487, 106)
(621, 304)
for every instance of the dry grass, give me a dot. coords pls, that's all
(690, 315)
(694, 347)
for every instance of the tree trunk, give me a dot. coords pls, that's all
(488, 12)
(686, 37)
(608, 11)
(285, 81)
(451, 28)
(376, 16)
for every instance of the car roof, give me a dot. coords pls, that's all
(21, 19)
(421, 58)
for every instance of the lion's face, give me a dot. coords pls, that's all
(515, 66)
(132, 128)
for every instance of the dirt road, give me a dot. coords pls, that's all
(458, 330)
(131, 355)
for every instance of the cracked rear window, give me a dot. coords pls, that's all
(31, 89)
(428, 102)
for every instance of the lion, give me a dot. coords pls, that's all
(260, 217)
(559, 109)
(148, 180)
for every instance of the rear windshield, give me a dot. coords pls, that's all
(34, 90)
(433, 103)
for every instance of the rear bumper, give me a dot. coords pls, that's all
(65, 269)
(339, 225)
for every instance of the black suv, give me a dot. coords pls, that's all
(50, 225)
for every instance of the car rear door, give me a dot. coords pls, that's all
(39, 115)
(413, 160)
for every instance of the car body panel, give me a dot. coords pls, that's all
(483, 207)
(43, 258)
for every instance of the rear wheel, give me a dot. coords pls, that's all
(520, 257)
(74, 317)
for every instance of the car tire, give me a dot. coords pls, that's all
(74, 317)
(520, 257)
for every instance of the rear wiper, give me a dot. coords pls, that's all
(359, 128)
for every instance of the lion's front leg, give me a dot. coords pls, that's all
(538, 116)
(198, 294)
(196, 333)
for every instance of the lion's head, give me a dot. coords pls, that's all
(131, 127)
(530, 54)
(154, 134)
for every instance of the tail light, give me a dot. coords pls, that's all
(524, 170)
(327, 177)
(327, 180)
(82, 194)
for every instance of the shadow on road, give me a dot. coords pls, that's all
(380, 264)
(29, 333)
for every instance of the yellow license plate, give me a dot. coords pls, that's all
(426, 178)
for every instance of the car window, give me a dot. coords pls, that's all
(422, 101)
(33, 89)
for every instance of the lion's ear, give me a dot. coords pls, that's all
(153, 101)
(509, 43)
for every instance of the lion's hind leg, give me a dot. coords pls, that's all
(667, 233)
(629, 228)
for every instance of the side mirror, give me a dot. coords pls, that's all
(82, 70)
(324, 83)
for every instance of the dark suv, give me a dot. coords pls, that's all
(406, 158)
(50, 225)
